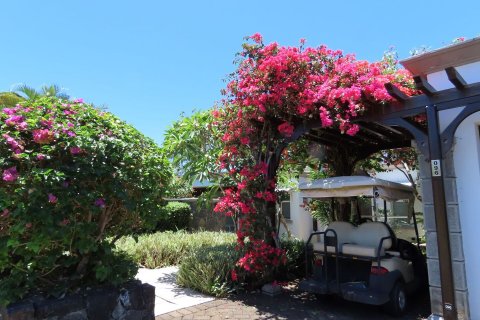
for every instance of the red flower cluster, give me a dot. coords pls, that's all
(261, 256)
(286, 129)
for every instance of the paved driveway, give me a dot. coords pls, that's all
(291, 304)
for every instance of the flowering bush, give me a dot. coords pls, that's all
(73, 179)
(274, 90)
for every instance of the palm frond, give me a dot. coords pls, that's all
(28, 92)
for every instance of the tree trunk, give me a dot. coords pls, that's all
(342, 163)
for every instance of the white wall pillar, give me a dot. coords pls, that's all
(467, 169)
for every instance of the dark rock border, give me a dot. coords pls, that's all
(132, 301)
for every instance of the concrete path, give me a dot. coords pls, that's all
(168, 295)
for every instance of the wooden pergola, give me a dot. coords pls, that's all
(392, 126)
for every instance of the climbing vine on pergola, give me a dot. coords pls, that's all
(275, 90)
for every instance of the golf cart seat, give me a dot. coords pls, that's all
(370, 239)
(342, 230)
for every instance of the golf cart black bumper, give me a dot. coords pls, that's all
(352, 291)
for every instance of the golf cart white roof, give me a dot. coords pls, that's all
(353, 186)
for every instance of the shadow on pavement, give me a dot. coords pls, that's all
(293, 304)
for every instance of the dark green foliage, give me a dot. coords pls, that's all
(295, 266)
(175, 216)
(73, 179)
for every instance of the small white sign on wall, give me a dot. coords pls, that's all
(436, 168)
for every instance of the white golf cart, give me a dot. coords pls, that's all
(364, 261)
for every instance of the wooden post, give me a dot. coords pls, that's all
(440, 207)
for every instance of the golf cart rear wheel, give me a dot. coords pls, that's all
(398, 300)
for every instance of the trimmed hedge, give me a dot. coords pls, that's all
(176, 216)
(169, 248)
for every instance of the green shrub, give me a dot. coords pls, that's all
(208, 270)
(176, 216)
(9, 99)
(73, 178)
(169, 248)
(295, 266)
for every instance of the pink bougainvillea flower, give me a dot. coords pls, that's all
(9, 111)
(69, 112)
(100, 202)
(75, 150)
(353, 130)
(52, 198)
(79, 100)
(15, 146)
(244, 140)
(22, 126)
(47, 123)
(302, 110)
(14, 120)
(43, 136)
(286, 129)
(257, 37)
(40, 156)
(10, 174)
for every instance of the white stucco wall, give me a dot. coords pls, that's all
(300, 223)
(467, 169)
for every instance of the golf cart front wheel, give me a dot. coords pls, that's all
(398, 300)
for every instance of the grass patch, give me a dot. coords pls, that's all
(169, 248)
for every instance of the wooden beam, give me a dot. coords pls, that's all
(359, 139)
(395, 92)
(422, 84)
(455, 78)
(371, 132)
(387, 130)
(319, 140)
(445, 99)
(335, 137)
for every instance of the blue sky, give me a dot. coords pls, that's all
(149, 61)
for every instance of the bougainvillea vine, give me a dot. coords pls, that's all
(273, 90)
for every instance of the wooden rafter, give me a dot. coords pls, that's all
(422, 84)
(395, 92)
(455, 78)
